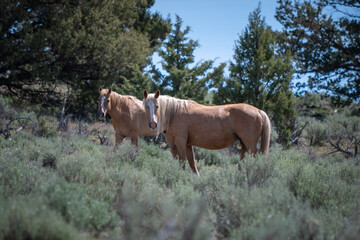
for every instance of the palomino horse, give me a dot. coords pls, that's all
(127, 114)
(186, 123)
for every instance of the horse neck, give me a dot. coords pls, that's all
(121, 104)
(116, 103)
(169, 108)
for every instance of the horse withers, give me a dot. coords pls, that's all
(185, 123)
(127, 115)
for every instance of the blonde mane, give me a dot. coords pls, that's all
(168, 108)
(124, 100)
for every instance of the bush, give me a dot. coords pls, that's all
(143, 193)
(344, 132)
(150, 213)
(30, 218)
(78, 208)
(315, 132)
(44, 130)
(210, 157)
(19, 177)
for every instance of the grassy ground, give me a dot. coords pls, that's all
(68, 187)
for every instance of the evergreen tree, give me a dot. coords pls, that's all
(260, 75)
(45, 45)
(179, 79)
(324, 37)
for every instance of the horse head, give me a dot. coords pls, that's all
(104, 104)
(151, 106)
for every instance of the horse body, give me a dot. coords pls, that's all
(127, 114)
(187, 123)
(217, 127)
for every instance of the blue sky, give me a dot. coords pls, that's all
(215, 24)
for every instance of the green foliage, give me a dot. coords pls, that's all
(12, 121)
(31, 218)
(44, 130)
(313, 99)
(344, 132)
(316, 132)
(260, 75)
(142, 192)
(78, 208)
(208, 157)
(79, 44)
(325, 36)
(180, 80)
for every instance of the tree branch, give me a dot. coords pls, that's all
(340, 149)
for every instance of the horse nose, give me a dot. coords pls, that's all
(101, 115)
(153, 125)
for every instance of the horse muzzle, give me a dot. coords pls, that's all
(101, 115)
(153, 125)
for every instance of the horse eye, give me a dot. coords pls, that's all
(108, 100)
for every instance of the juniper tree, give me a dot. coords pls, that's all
(45, 45)
(260, 75)
(324, 36)
(180, 76)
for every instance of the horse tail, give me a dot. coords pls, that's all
(265, 133)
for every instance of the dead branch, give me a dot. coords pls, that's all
(6, 131)
(338, 148)
(297, 133)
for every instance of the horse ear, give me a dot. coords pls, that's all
(145, 94)
(100, 88)
(157, 93)
(109, 90)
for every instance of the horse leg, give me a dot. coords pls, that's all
(243, 150)
(134, 140)
(191, 159)
(172, 147)
(180, 144)
(252, 148)
(118, 139)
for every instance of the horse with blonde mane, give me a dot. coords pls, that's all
(185, 123)
(127, 114)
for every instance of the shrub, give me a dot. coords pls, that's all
(78, 208)
(210, 157)
(257, 170)
(315, 132)
(44, 130)
(30, 218)
(143, 193)
(150, 213)
(344, 132)
(320, 184)
(18, 177)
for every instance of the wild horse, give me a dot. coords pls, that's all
(127, 114)
(186, 123)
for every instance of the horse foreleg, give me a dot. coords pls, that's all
(134, 140)
(172, 147)
(180, 145)
(118, 139)
(191, 159)
(243, 150)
